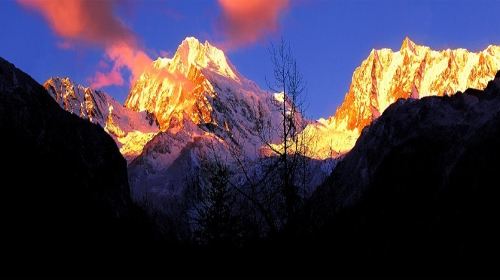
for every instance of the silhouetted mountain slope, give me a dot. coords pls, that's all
(64, 186)
(420, 188)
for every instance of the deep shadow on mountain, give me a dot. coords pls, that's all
(65, 195)
(418, 193)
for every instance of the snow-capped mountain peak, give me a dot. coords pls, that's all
(200, 86)
(408, 45)
(414, 71)
(181, 88)
(205, 56)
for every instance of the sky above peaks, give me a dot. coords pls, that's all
(108, 43)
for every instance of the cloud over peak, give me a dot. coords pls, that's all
(82, 20)
(94, 22)
(246, 21)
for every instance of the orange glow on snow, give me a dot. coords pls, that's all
(175, 88)
(413, 71)
(133, 143)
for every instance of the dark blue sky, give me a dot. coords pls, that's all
(329, 38)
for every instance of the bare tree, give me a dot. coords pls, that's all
(274, 185)
(214, 218)
(292, 148)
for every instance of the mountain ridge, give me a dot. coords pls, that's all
(172, 87)
(185, 87)
(413, 71)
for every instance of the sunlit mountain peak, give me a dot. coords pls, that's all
(408, 45)
(415, 71)
(178, 88)
(204, 55)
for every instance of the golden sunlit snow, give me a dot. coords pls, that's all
(176, 89)
(385, 76)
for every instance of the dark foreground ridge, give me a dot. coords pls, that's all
(420, 190)
(65, 194)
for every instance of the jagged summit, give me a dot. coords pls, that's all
(198, 82)
(202, 104)
(192, 52)
(77, 99)
(197, 91)
(414, 71)
(408, 44)
(180, 88)
(130, 130)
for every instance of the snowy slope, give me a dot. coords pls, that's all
(414, 71)
(131, 130)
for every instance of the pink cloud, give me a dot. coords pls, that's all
(82, 20)
(102, 79)
(246, 21)
(124, 57)
(93, 22)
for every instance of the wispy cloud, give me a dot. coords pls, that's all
(94, 22)
(246, 21)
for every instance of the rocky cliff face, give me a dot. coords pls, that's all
(385, 76)
(419, 186)
(178, 88)
(131, 130)
(200, 86)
